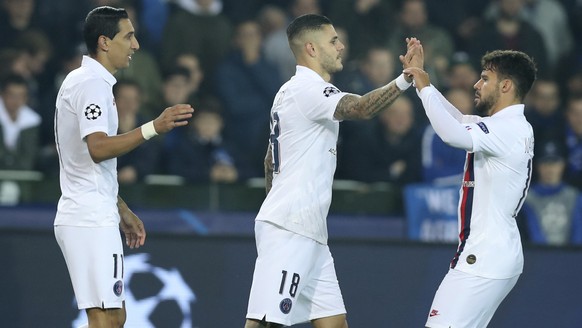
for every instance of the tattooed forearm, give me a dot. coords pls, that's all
(354, 107)
(269, 169)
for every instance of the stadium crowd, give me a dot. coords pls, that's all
(229, 57)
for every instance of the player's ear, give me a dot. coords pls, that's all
(506, 85)
(103, 43)
(310, 49)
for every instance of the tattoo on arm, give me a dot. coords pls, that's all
(354, 107)
(269, 169)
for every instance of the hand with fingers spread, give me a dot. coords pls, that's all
(172, 117)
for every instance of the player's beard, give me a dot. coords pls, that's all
(332, 65)
(484, 105)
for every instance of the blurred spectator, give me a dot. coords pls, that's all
(175, 90)
(441, 163)
(246, 83)
(16, 16)
(14, 61)
(238, 11)
(549, 18)
(153, 16)
(48, 161)
(205, 156)
(272, 19)
(38, 52)
(19, 125)
(552, 210)
(62, 21)
(276, 45)
(573, 139)
(196, 26)
(574, 84)
(375, 69)
(543, 109)
(144, 67)
(461, 74)
(367, 22)
(461, 18)
(574, 10)
(507, 30)
(192, 64)
(389, 151)
(437, 43)
(143, 160)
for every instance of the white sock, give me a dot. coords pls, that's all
(85, 326)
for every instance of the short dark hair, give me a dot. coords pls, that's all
(100, 21)
(12, 79)
(514, 65)
(308, 22)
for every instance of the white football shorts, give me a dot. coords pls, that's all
(94, 257)
(467, 301)
(294, 279)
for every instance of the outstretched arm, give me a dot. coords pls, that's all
(355, 107)
(445, 124)
(103, 147)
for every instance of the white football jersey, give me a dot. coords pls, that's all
(303, 139)
(85, 105)
(495, 183)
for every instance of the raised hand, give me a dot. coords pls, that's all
(172, 117)
(414, 56)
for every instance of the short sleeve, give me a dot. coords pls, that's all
(320, 101)
(93, 103)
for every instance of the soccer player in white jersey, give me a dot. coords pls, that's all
(90, 213)
(294, 279)
(498, 169)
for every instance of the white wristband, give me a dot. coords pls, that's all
(401, 83)
(148, 131)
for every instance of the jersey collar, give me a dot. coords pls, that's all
(96, 67)
(306, 72)
(512, 110)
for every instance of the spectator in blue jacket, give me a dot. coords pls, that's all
(246, 84)
(553, 209)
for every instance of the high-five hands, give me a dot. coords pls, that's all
(414, 56)
(413, 63)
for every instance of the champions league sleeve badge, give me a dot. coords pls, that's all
(328, 91)
(92, 112)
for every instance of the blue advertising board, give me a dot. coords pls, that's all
(431, 212)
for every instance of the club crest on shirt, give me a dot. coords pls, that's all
(118, 287)
(93, 111)
(328, 91)
(285, 305)
(483, 127)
